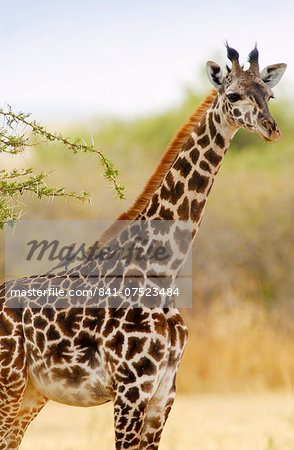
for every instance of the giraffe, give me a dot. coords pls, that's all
(128, 352)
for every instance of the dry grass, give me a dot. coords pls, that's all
(238, 347)
(205, 422)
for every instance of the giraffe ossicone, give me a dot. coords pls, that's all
(92, 353)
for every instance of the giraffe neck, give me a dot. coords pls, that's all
(180, 197)
(186, 186)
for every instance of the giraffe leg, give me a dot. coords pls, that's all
(158, 411)
(32, 403)
(10, 403)
(128, 422)
(13, 380)
(161, 403)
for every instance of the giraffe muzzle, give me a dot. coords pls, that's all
(269, 130)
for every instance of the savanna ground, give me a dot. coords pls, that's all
(235, 384)
(204, 422)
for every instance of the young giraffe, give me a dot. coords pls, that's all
(128, 352)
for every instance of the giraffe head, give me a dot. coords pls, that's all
(244, 94)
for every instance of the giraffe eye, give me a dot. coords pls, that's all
(234, 97)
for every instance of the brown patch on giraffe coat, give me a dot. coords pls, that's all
(217, 117)
(57, 353)
(173, 356)
(132, 444)
(160, 324)
(196, 209)
(131, 439)
(8, 349)
(116, 343)
(178, 330)
(6, 326)
(136, 320)
(183, 166)
(219, 140)
(154, 206)
(49, 313)
(90, 324)
(87, 348)
(183, 209)
(183, 239)
(73, 375)
(122, 422)
(236, 112)
(200, 128)
(173, 193)
(183, 335)
(155, 422)
(189, 144)
(204, 141)
(68, 321)
(111, 324)
(95, 318)
(29, 333)
(167, 411)
(166, 213)
(198, 182)
(132, 394)
(205, 166)
(124, 374)
(144, 366)
(27, 317)
(40, 323)
(194, 155)
(212, 157)
(156, 350)
(40, 341)
(212, 128)
(135, 345)
(170, 180)
(15, 314)
(52, 333)
(147, 386)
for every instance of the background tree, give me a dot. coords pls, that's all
(17, 134)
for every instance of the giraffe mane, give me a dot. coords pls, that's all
(163, 167)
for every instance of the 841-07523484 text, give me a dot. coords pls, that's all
(96, 292)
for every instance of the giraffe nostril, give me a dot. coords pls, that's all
(266, 124)
(269, 125)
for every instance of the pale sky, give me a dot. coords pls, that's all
(69, 60)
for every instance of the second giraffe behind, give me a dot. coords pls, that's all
(87, 355)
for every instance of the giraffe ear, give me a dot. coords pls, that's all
(215, 74)
(271, 75)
